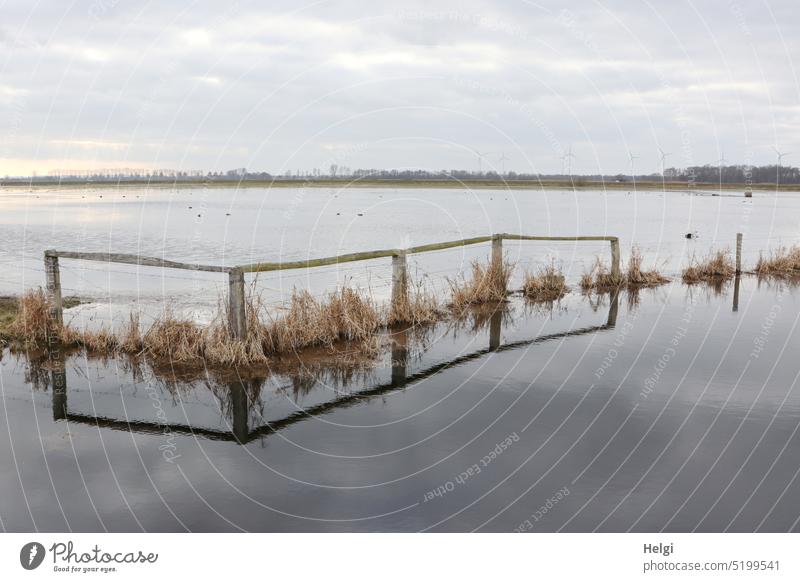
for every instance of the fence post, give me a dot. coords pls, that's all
(58, 375)
(236, 306)
(399, 279)
(399, 357)
(53, 283)
(615, 269)
(497, 251)
(239, 411)
(738, 253)
(495, 326)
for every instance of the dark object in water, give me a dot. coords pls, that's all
(360, 214)
(689, 235)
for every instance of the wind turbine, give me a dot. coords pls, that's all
(664, 156)
(503, 160)
(632, 157)
(781, 155)
(720, 163)
(566, 161)
(480, 155)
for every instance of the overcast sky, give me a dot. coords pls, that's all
(276, 85)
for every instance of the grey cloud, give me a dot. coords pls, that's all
(270, 85)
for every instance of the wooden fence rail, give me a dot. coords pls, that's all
(236, 296)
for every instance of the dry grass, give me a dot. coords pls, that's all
(489, 284)
(174, 339)
(549, 284)
(419, 306)
(8, 313)
(636, 277)
(587, 281)
(344, 315)
(784, 262)
(717, 266)
(131, 341)
(30, 321)
(600, 278)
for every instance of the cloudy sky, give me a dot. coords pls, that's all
(286, 85)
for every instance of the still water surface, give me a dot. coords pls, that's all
(678, 413)
(229, 226)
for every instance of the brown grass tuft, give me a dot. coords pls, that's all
(604, 279)
(587, 281)
(419, 307)
(30, 323)
(345, 315)
(489, 284)
(178, 340)
(717, 266)
(783, 262)
(636, 277)
(131, 341)
(549, 284)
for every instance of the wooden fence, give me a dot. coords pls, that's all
(236, 295)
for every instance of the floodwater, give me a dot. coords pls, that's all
(677, 411)
(230, 227)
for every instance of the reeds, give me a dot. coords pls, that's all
(489, 284)
(30, 324)
(635, 276)
(715, 267)
(783, 262)
(600, 278)
(549, 284)
(344, 315)
(418, 306)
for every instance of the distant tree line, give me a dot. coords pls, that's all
(737, 174)
(740, 174)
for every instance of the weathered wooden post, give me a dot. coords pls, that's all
(58, 376)
(399, 280)
(613, 309)
(55, 311)
(616, 273)
(237, 315)
(240, 411)
(495, 326)
(497, 251)
(738, 253)
(399, 357)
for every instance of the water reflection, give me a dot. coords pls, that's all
(241, 404)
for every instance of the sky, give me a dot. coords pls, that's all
(282, 86)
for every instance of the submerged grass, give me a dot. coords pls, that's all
(346, 315)
(548, 285)
(8, 313)
(715, 267)
(601, 279)
(489, 284)
(29, 323)
(783, 262)
(419, 306)
(635, 276)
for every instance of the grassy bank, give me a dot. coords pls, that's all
(477, 184)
